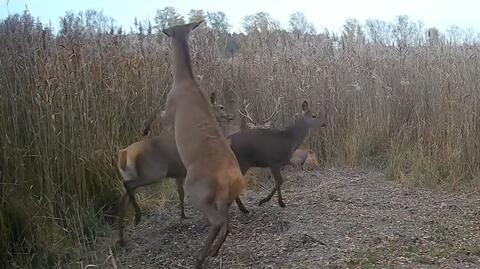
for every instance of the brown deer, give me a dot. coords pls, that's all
(304, 159)
(150, 161)
(221, 115)
(311, 163)
(298, 158)
(214, 179)
(272, 148)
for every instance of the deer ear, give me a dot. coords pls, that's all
(213, 98)
(168, 32)
(194, 25)
(305, 106)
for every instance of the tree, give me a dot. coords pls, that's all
(196, 15)
(168, 17)
(218, 21)
(352, 32)
(407, 32)
(71, 24)
(454, 34)
(433, 36)
(378, 31)
(299, 24)
(260, 22)
(96, 21)
(149, 28)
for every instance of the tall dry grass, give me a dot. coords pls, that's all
(68, 102)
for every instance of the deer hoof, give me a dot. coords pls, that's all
(213, 253)
(198, 264)
(281, 203)
(121, 243)
(137, 220)
(244, 210)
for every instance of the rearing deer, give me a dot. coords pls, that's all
(272, 148)
(150, 161)
(214, 179)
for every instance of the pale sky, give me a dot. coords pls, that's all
(330, 14)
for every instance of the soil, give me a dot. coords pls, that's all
(338, 218)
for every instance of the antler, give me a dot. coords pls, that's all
(247, 114)
(275, 111)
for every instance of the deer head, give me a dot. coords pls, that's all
(181, 30)
(309, 118)
(219, 111)
(262, 124)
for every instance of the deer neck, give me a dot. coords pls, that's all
(181, 59)
(298, 133)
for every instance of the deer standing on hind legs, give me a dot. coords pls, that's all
(150, 161)
(213, 178)
(272, 148)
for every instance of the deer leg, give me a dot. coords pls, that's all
(223, 209)
(269, 196)
(133, 184)
(241, 206)
(243, 168)
(122, 205)
(278, 182)
(181, 196)
(216, 220)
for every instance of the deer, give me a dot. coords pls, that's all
(304, 159)
(298, 158)
(214, 179)
(311, 163)
(219, 110)
(150, 161)
(272, 148)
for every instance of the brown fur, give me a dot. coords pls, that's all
(152, 160)
(214, 179)
(311, 163)
(299, 157)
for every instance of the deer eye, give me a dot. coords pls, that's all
(313, 116)
(221, 107)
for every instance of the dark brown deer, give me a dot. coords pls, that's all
(272, 148)
(214, 179)
(150, 161)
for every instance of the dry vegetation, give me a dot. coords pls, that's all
(404, 100)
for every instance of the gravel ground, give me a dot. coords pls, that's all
(339, 218)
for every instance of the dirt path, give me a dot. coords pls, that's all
(342, 218)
